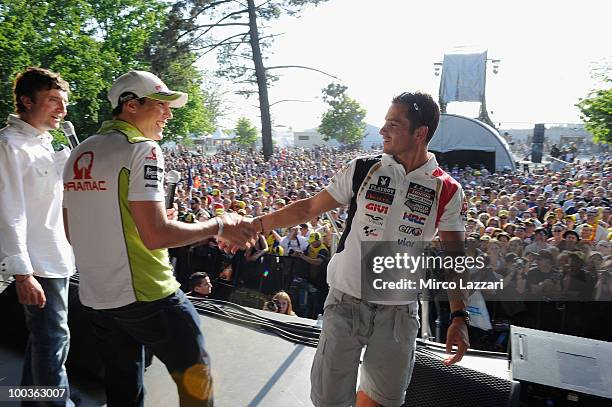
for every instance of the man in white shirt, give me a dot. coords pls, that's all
(33, 245)
(404, 197)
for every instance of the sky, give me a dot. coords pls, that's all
(384, 47)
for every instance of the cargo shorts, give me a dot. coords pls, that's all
(388, 332)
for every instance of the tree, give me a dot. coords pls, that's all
(246, 132)
(194, 117)
(343, 121)
(597, 114)
(214, 102)
(91, 43)
(597, 108)
(238, 42)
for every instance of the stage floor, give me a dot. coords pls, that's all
(250, 368)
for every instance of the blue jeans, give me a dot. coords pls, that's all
(170, 327)
(49, 340)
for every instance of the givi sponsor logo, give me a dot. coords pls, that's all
(377, 208)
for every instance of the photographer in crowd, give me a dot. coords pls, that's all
(280, 303)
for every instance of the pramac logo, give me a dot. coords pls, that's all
(82, 171)
(82, 165)
(153, 155)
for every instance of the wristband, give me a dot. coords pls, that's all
(219, 225)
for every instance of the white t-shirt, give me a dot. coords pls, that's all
(103, 174)
(392, 206)
(298, 244)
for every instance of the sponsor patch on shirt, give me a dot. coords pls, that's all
(418, 207)
(410, 230)
(375, 219)
(377, 208)
(382, 189)
(414, 218)
(152, 155)
(153, 173)
(421, 194)
(380, 194)
(419, 198)
(384, 181)
(368, 231)
(379, 197)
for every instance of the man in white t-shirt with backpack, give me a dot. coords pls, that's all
(397, 197)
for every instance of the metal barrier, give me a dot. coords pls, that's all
(253, 283)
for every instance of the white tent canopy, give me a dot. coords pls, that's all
(458, 133)
(220, 135)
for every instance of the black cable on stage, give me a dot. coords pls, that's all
(295, 332)
(292, 331)
(232, 307)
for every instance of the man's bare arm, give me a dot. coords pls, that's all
(158, 232)
(453, 245)
(457, 334)
(299, 212)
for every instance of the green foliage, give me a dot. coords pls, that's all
(90, 43)
(597, 114)
(343, 121)
(193, 118)
(214, 103)
(246, 133)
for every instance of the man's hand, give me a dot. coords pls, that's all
(238, 233)
(29, 291)
(457, 334)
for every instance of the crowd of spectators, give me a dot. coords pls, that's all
(525, 222)
(241, 181)
(546, 234)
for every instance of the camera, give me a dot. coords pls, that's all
(273, 305)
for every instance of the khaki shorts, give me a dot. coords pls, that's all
(389, 334)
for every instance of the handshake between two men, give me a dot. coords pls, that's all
(236, 232)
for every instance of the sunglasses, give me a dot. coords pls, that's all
(405, 98)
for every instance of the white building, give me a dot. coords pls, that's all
(560, 134)
(311, 137)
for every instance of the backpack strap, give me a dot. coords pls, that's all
(363, 166)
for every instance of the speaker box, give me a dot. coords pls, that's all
(561, 370)
(538, 133)
(435, 385)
